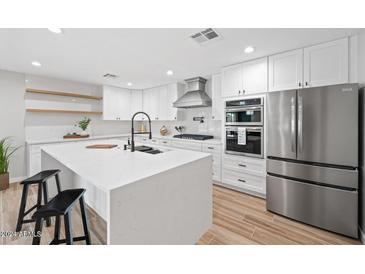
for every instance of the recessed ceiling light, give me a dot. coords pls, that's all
(169, 72)
(55, 30)
(36, 64)
(249, 49)
(129, 84)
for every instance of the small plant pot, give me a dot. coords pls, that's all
(4, 181)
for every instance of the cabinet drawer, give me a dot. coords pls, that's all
(211, 148)
(165, 142)
(244, 181)
(186, 145)
(246, 165)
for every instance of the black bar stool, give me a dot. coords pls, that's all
(62, 204)
(40, 179)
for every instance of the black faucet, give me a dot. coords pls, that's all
(149, 132)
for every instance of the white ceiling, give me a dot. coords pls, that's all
(142, 56)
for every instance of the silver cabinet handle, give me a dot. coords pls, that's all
(292, 124)
(300, 84)
(242, 165)
(211, 147)
(241, 180)
(300, 124)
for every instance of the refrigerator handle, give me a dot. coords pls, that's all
(300, 124)
(292, 125)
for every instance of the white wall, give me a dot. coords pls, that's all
(12, 118)
(361, 80)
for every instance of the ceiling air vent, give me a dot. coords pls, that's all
(110, 76)
(205, 36)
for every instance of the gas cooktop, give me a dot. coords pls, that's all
(194, 136)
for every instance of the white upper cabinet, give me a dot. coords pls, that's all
(116, 103)
(173, 92)
(254, 75)
(232, 82)
(217, 102)
(136, 103)
(246, 78)
(157, 102)
(286, 70)
(151, 101)
(326, 64)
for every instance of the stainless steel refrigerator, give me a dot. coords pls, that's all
(312, 165)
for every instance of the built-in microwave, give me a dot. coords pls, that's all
(246, 141)
(245, 112)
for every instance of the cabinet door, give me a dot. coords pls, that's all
(109, 104)
(217, 102)
(232, 81)
(124, 104)
(162, 103)
(286, 70)
(254, 75)
(116, 103)
(136, 103)
(151, 100)
(326, 64)
(172, 95)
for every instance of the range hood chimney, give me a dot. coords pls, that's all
(195, 96)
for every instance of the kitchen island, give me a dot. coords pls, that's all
(144, 198)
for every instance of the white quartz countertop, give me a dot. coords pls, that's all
(61, 140)
(111, 168)
(98, 137)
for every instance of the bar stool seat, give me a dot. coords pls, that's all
(40, 179)
(62, 204)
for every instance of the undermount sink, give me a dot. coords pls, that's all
(148, 149)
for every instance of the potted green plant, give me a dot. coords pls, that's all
(83, 124)
(6, 151)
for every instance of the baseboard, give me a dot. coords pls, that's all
(362, 236)
(17, 179)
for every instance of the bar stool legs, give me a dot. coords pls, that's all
(62, 205)
(38, 231)
(84, 220)
(23, 203)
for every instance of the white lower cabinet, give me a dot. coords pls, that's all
(245, 173)
(214, 149)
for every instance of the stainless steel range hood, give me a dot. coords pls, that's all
(195, 96)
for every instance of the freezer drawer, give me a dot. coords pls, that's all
(329, 208)
(325, 175)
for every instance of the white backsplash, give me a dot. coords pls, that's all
(209, 127)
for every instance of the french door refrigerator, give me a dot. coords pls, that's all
(312, 165)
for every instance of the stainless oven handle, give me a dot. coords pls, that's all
(242, 109)
(292, 124)
(300, 124)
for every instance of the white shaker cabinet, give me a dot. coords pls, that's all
(116, 103)
(286, 70)
(151, 101)
(245, 78)
(136, 103)
(217, 102)
(254, 76)
(232, 82)
(326, 64)
(158, 102)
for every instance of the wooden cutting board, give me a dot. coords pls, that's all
(102, 146)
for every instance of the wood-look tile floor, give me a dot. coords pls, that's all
(237, 219)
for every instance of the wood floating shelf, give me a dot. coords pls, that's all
(64, 111)
(61, 93)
